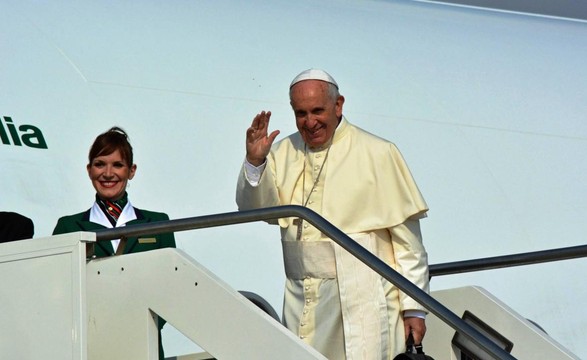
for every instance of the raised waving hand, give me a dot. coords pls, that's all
(258, 140)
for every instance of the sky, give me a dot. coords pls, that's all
(487, 108)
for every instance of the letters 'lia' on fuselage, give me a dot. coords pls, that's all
(27, 135)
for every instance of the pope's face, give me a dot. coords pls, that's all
(317, 112)
(110, 174)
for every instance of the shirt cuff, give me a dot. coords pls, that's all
(415, 313)
(253, 173)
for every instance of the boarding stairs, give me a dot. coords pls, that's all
(56, 304)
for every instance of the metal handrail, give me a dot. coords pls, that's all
(274, 213)
(497, 262)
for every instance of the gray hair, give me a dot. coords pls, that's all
(333, 92)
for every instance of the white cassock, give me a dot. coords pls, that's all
(332, 301)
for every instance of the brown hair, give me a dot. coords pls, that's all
(110, 141)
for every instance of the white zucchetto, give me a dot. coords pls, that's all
(313, 74)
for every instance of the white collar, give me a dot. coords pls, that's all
(97, 215)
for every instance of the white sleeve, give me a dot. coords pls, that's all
(412, 260)
(415, 313)
(253, 173)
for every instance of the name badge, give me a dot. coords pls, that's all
(147, 240)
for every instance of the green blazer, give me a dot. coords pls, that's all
(81, 222)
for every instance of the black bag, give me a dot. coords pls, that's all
(413, 352)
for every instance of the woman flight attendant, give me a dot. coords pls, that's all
(110, 168)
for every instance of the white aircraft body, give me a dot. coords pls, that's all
(488, 107)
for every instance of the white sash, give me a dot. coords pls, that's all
(364, 308)
(362, 297)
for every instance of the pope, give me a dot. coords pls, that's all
(361, 184)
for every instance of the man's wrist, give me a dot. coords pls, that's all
(415, 313)
(255, 162)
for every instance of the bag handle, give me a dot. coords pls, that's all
(413, 348)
